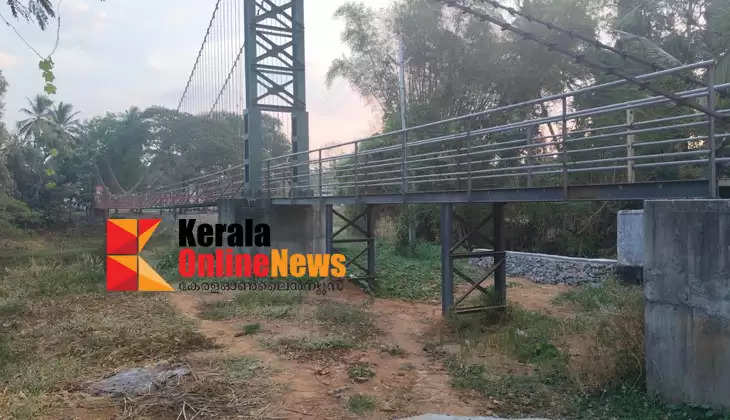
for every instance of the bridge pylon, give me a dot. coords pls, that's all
(275, 83)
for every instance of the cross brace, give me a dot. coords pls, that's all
(450, 252)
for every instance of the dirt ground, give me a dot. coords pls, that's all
(409, 383)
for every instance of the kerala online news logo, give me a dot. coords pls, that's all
(126, 270)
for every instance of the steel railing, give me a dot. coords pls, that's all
(573, 138)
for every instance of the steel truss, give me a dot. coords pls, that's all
(363, 235)
(275, 79)
(455, 248)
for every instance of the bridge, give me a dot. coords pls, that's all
(659, 145)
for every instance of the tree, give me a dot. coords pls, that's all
(39, 10)
(37, 121)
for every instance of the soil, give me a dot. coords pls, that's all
(405, 384)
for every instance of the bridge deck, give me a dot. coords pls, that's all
(645, 148)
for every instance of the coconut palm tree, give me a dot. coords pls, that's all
(63, 119)
(37, 121)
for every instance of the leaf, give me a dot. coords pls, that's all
(48, 76)
(50, 172)
(46, 65)
(50, 89)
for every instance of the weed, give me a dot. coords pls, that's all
(250, 329)
(263, 303)
(307, 346)
(12, 309)
(393, 350)
(360, 372)
(626, 402)
(242, 368)
(608, 295)
(361, 404)
(348, 319)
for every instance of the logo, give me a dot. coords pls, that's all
(126, 271)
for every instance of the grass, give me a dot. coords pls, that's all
(415, 277)
(300, 347)
(258, 303)
(242, 368)
(361, 404)
(60, 327)
(393, 350)
(587, 367)
(346, 319)
(250, 329)
(360, 372)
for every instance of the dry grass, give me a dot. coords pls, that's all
(227, 388)
(608, 349)
(59, 328)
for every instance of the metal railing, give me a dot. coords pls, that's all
(575, 140)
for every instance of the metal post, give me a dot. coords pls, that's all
(468, 162)
(500, 275)
(530, 152)
(357, 170)
(328, 219)
(447, 274)
(711, 99)
(268, 178)
(564, 146)
(371, 245)
(403, 122)
(630, 174)
(320, 172)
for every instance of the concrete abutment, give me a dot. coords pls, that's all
(687, 292)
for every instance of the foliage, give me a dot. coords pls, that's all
(361, 404)
(39, 10)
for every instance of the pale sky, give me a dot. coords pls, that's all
(119, 53)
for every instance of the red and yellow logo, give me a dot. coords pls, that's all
(126, 271)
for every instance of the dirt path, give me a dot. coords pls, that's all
(407, 381)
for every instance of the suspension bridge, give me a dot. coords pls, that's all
(662, 144)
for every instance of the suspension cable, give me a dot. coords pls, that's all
(200, 52)
(594, 42)
(580, 58)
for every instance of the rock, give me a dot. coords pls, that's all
(138, 381)
(553, 269)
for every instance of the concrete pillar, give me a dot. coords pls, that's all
(630, 245)
(298, 228)
(687, 291)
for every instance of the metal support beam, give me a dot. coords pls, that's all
(328, 219)
(711, 103)
(447, 274)
(275, 82)
(371, 245)
(500, 274)
(630, 172)
(450, 253)
(363, 235)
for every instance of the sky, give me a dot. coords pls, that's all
(119, 53)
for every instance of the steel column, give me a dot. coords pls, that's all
(711, 103)
(500, 274)
(371, 245)
(328, 219)
(447, 274)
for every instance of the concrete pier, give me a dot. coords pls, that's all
(630, 245)
(298, 228)
(687, 291)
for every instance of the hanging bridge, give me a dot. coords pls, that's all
(581, 146)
